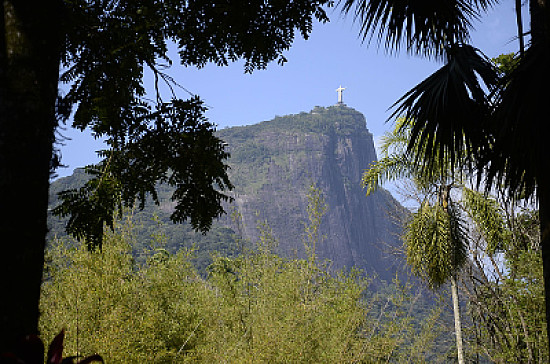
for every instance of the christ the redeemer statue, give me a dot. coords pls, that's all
(340, 90)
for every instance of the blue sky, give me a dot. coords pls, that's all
(333, 55)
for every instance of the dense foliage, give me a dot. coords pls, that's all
(108, 48)
(153, 222)
(271, 165)
(101, 50)
(504, 285)
(469, 109)
(257, 308)
(497, 239)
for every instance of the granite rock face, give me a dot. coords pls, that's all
(275, 162)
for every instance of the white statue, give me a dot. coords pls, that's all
(340, 90)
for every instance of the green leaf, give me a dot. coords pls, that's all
(488, 217)
(435, 244)
(447, 112)
(423, 26)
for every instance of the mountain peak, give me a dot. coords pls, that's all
(341, 119)
(272, 166)
(273, 163)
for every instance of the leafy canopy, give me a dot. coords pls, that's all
(424, 27)
(469, 105)
(254, 308)
(108, 47)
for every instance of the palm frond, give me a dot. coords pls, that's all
(435, 244)
(387, 169)
(487, 215)
(517, 157)
(459, 237)
(423, 26)
(396, 141)
(447, 111)
(396, 163)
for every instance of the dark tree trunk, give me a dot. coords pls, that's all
(29, 68)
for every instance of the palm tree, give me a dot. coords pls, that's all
(435, 241)
(502, 127)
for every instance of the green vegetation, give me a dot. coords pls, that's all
(142, 298)
(271, 166)
(435, 238)
(504, 300)
(152, 224)
(341, 119)
(505, 287)
(254, 147)
(101, 50)
(254, 308)
(494, 115)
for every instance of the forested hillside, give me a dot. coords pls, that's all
(273, 163)
(298, 201)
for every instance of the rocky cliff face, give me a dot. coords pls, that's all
(328, 148)
(273, 164)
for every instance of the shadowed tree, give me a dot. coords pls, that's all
(501, 124)
(103, 48)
